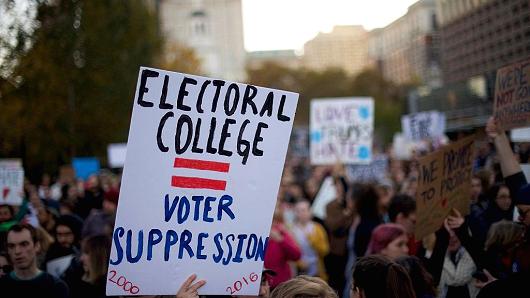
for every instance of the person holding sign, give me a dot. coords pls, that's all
(200, 180)
(515, 285)
(511, 170)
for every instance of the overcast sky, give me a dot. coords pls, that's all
(287, 24)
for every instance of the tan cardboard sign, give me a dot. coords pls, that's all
(511, 106)
(443, 184)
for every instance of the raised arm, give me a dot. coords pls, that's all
(509, 164)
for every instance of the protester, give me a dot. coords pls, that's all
(95, 258)
(378, 277)
(312, 240)
(402, 211)
(458, 268)
(67, 237)
(389, 240)
(422, 280)
(26, 280)
(92, 197)
(304, 286)
(281, 249)
(101, 222)
(339, 218)
(366, 204)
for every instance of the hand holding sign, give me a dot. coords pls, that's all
(444, 177)
(200, 181)
(189, 289)
(492, 128)
(455, 221)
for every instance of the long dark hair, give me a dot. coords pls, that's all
(365, 198)
(422, 280)
(378, 277)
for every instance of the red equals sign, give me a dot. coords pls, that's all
(195, 182)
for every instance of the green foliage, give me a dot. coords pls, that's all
(389, 98)
(71, 93)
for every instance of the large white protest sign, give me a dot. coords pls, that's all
(341, 130)
(424, 125)
(11, 181)
(202, 171)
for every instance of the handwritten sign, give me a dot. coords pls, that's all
(443, 184)
(511, 106)
(424, 125)
(11, 182)
(341, 130)
(202, 172)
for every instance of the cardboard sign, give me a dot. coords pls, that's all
(443, 184)
(341, 130)
(424, 125)
(376, 171)
(85, 166)
(11, 182)
(201, 176)
(511, 106)
(116, 155)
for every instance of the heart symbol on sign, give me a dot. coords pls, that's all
(5, 192)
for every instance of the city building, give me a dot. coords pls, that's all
(286, 58)
(480, 36)
(407, 50)
(345, 47)
(213, 28)
(477, 38)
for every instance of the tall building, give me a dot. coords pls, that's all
(213, 28)
(477, 38)
(480, 36)
(407, 50)
(344, 47)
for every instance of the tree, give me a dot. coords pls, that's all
(179, 58)
(389, 98)
(70, 93)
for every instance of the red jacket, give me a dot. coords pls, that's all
(278, 254)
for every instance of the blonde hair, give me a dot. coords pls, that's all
(304, 286)
(503, 234)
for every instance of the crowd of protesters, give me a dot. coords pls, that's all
(57, 243)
